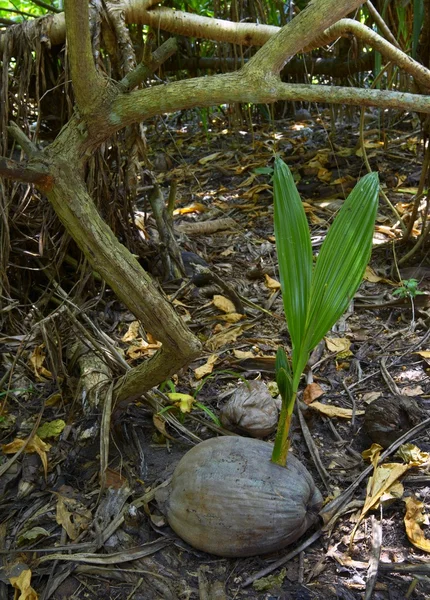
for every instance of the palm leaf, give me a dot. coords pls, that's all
(294, 248)
(342, 260)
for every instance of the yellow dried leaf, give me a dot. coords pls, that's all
(34, 445)
(312, 392)
(54, 399)
(36, 360)
(23, 584)
(334, 411)
(160, 424)
(240, 354)
(224, 338)
(51, 429)
(207, 368)
(195, 207)
(223, 303)
(370, 275)
(412, 454)
(381, 482)
(132, 332)
(72, 515)
(250, 179)
(384, 479)
(424, 353)
(337, 344)
(183, 401)
(231, 317)
(271, 283)
(414, 518)
(372, 454)
(152, 341)
(324, 175)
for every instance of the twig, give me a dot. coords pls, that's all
(372, 572)
(313, 450)
(19, 136)
(388, 379)
(352, 398)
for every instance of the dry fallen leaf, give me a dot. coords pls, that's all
(382, 483)
(412, 390)
(160, 424)
(72, 515)
(23, 584)
(34, 445)
(337, 344)
(207, 368)
(223, 303)
(312, 392)
(334, 411)
(132, 332)
(241, 354)
(37, 359)
(233, 317)
(412, 454)
(195, 207)
(370, 397)
(271, 283)
(370, 275)
(414, 518)
(224, 338)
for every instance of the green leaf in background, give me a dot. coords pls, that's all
(294, 248)
(51, 429)
(342, 260)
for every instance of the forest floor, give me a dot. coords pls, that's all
(378, 352)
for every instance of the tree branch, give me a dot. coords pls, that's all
(248, 87)
(346, 27)
(142, 71)
(10, 169)
(122, 272)
(86, 82)
(299, 33)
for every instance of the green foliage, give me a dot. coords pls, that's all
(184, 403)
(408, 289)
(21, 10)
(315, 297)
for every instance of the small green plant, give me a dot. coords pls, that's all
(314, 297)
(408, 289)
(184, 403)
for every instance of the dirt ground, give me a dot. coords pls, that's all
(122, 547)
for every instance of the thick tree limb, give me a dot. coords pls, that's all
(291, 39)
(87, 84)
(249, 87)
(10, 169)
(345, 27)
(118, 267)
